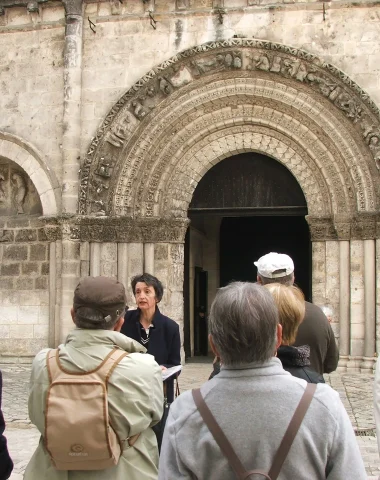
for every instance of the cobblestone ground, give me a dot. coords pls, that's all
(355, 391)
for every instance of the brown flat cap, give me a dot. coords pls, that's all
(104, 294)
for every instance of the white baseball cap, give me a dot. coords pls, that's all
(274, 265)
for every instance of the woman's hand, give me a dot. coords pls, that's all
(163, 368)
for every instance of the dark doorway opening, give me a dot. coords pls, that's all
(245, 206)
(245, 239)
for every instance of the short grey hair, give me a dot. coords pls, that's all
(91, 319)
(287, 280)
(243, 323)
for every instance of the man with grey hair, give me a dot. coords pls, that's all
(253, 401)
(134, 388)
(315, 329)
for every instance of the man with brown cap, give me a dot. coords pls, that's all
(134, 389)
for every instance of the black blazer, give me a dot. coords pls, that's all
(6, 464)
(164, 342)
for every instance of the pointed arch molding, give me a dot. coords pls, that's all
(221, 98)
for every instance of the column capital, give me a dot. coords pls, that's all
(73, 7)
(321, 228)
(364, 226)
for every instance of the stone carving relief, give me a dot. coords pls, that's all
(18, 195)
(248, 57)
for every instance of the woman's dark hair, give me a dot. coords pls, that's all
(151, 281)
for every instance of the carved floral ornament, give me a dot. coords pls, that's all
(120, 133)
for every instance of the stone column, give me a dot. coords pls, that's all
(321, 230)
(55, 272)
(369, 306)
(95, 259)
(344, 303)
(72, 77)
(149, 258)
(343, 229)
(356, 305)
(108, 259)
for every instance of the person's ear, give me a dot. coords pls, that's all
(73, 315)
(118, 324)
(258, 280)
(279, 336)
(212, 345)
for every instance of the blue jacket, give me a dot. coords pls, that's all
(164, 343)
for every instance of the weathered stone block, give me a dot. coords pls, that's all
(22, 283)
(41, 331)
(26, 235)
(38, 252)
(15, 252)
(8, 314)
(10, 269)
(45, 268)
(30, 268)
(7, 283)
(41, 283)
(28, 315)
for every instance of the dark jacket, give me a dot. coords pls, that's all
(6, 464)
(164, 343)
(295, 360)
(316, 332)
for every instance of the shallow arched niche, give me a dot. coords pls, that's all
(20, 152)
(218, 99)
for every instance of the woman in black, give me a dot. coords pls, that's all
(156, 332)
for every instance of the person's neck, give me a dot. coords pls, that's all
(146, 317)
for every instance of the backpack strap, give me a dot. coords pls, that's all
(109, 364)
(292, 430)
(283, 449)
(104, 370)
(52, 364)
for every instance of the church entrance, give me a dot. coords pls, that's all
(245, 206)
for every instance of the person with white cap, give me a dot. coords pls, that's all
(315, 329)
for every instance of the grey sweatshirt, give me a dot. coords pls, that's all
(254, 405)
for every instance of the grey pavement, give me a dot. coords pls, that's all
(355, 391)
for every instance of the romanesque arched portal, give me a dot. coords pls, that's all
(212, 102)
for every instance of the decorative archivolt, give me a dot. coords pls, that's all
(147, 158)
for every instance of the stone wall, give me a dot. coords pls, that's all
(31, 78)
(24, 294)
(126, 46)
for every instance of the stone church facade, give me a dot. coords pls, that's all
(113, 112)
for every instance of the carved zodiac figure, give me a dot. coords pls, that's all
(104, 169)
(138, 109)
(165, 86)
(19, 192)
(262, 62)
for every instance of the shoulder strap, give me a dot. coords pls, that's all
(226, 446)
(221, 439)
(292, 430)
(104, 370)
(109, 364)
(52, 364)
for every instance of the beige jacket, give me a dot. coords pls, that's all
(135, 398)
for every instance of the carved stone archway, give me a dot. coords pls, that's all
(298, 105)
(212, 102)
(18, 151)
